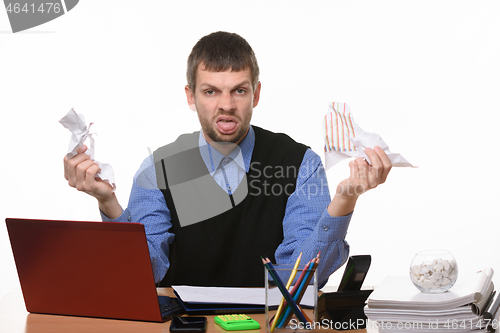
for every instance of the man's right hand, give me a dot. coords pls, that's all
(80, 172)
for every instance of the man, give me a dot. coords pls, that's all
(214, 201)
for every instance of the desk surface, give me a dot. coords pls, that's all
(15, 319)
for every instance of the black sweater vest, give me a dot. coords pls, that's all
(225, 249)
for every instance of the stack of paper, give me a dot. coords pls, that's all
(398, 306)
(256, 296)
(206, 300)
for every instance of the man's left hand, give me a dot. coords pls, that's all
(363, 177)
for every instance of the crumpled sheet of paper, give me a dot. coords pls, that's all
(344, 138)
(80, 132)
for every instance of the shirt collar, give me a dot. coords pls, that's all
(242, 154)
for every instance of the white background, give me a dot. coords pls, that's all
(422, 74)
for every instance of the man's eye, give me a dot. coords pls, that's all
(210, 92)
(240, 91)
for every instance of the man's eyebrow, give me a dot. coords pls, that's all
(244, 83)
(207, 85)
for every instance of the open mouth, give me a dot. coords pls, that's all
(226, 125)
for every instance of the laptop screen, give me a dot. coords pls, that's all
(94, 269)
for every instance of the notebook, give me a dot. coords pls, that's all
(202, 308)
(91, 269)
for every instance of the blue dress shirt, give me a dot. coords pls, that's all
(307, 226)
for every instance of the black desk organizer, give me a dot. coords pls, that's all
(344, 309)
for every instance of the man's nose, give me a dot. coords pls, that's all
(226, 102)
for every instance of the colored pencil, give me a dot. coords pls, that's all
(299, 293)
(303, 286)
(279, 317)
(288, 284)
(283, 290)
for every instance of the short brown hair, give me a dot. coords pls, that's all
(219, 52)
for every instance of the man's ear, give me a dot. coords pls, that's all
(190, 97)
(256, 95)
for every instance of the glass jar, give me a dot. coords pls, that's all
(433, 271)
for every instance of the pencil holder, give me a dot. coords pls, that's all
(299, 315)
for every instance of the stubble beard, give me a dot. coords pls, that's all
(209, 130)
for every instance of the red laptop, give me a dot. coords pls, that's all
(91, 269)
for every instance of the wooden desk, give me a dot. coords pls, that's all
(15, 319)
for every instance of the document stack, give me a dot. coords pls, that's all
(469, 306)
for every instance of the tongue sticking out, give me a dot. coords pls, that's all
(226, 127)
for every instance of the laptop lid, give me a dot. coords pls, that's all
(92, 269)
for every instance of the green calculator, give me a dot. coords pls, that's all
(236, 322)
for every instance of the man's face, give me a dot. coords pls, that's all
(224, 102)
